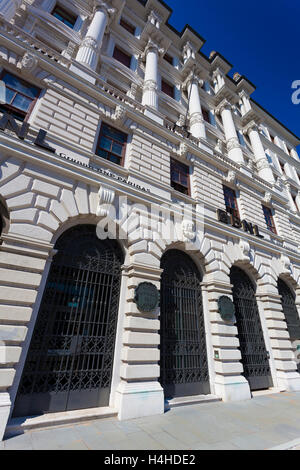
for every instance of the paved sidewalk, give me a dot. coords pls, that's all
(261, 423)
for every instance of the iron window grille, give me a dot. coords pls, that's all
(111, 144)
(167, 88)
(20, 96)
(127, 26)
(180, 180)
(269, 219)
(231, 201)
(64, 16)
(122, 57)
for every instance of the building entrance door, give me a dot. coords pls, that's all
(183, 362)
(70, 358)
(252, 345)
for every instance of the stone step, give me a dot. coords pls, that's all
(20, 425)
(192, 400)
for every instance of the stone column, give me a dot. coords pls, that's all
(298, 201)
(232, 142)
(8, 8)
(150, 97)
(229, 384)
(289, 195)
(139, 392)
(197, 126)
(89, 49)
(22, 263)
(281, 348)
(263, 166)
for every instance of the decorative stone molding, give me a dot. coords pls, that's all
(106, 8)
(245, 249)
(106, 196)
(154, 19)
(119, 114)
(133, 90)
(192, 79)
(28, 63)
(152, 45)
(223, 105)
(251, 126)
(262, 163)
(196, 118)
(219, 147)
(232, 143)
(8, 8)
(150, 85)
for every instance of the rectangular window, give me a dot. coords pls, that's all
(64, 16)
(180, 177)
(205, 114)
(230, 201)
(281, 166)
(168, 58)
(19, 96)
(127, 26)
(111, 144)
(122, 57)
(269, 219)
(167, 88)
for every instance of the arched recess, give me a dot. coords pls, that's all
(70, 359)
(183, 361)
(255, 358)
(291, 314)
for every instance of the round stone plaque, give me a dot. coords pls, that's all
(226, 308)
(146, 297)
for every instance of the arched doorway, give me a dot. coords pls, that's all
(70, 358)
(183, 362)
(252, 345)
(291, 316)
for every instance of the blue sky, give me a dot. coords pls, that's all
(260, 38)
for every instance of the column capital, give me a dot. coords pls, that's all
(251, 126)
(223, 105)
(192, 79)
(152, 46)
(100, 5)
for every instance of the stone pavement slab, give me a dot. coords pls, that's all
(264, 422)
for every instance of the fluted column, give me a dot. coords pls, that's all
(89, 49)
(151, 53)
(232, 142)
(8, 8)
(263, 166)
(197, 126)
(289, 195)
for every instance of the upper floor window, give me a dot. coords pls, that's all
(111, 144)
(127, 26)
(230, 201)
(168, 58)
(63, 15)
(281, 166)
(180, 177)
(205, 114)
(20, 96)
(167, 88)
(272, 138)
(269, 219)
(122, 57)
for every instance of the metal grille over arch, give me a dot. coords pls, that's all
(70, 358)
(183, 363)
(252, 345)
(291, 316)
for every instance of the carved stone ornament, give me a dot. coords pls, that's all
(28, 63)
(188, 51)
(154, 19)
(286, 263)
(188, 230)
(196, 118)
(231, 177)
(245, 249)
(262, 163)
(104, 6)
(150, 85)
(91, 43)
(222, 106)
(119, 114)
(152, 45)
(106, 196)
(232, 143)
(219, 147)
(268, 197)
(183, 149)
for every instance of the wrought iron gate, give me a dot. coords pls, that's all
(252, 345)
(183, 362)
(70, 359)
(291, 316)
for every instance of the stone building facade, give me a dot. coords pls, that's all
(109, 115)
